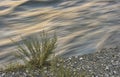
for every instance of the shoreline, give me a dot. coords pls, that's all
(105, 63)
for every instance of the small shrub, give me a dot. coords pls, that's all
(35, 51)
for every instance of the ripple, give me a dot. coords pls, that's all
(82, 26)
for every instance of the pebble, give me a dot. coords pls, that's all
(106, 68)
(3, 74)
(80, 58)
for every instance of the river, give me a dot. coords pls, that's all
(82, 26)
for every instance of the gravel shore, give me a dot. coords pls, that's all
(105, 63)
(101, 64)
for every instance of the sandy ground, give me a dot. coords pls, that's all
(82, 26)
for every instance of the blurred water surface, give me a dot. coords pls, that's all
(82, 26)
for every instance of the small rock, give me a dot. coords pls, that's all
(70, 58)
(114, 72)
(75, 62)
(107, 68)
(3, 74)
(80, 58)
(106, 75)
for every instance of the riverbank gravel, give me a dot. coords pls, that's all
(105, 63)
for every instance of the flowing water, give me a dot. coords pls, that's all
(82, 26)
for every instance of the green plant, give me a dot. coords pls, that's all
(36, 50)
(13, 67)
